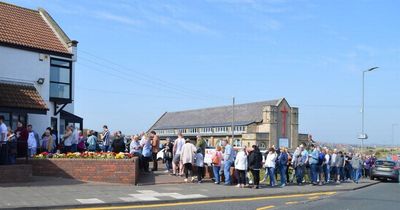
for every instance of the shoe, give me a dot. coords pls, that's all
(283, 185)
(186, 180)
(263, 180)
(200, 182)
(172, 174)
(238, 185)
(227, 184)
(193, 179)
(166, 171)
(216, 182)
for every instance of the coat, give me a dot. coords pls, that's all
(241, 161)
(188, 152)
(271, 159)
(255, 160)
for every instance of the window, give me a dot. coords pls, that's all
(220, 129)
(11, 119)
(237, 143)
(60, 79)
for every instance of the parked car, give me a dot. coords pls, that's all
(386, 169)
(160, 154)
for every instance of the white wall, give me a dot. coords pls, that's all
(25, 66)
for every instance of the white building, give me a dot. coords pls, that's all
(37, 67)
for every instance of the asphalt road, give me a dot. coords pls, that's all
(378, 197)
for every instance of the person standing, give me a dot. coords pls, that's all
(91, 141)
(22, 140)
(301, 161)
(255, 163)
(228, 161)
(200, 165)
(155, 143)
(146, 152)
(3, 141)
(67, 139)
(118, 144)
(177, 150)
(282, 161)
(33, 141)
(216, 159)
(136, 149)
(75, 139)
(241, 167)
(326, 165)
(314, 157)
(12, 146)
(106, 139)
(202, 144)
(187, 158)
(168, 155)
(333, 168)
(47, 141)
(270, 162)
(356, 165)
(340, 166)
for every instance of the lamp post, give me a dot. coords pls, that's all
(363, 135)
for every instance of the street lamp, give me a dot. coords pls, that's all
(363, 135)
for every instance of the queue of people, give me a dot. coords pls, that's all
(314, 165)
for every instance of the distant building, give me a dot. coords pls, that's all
(37, 65)
(263, 123)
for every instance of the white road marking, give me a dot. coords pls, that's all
(150, 195)
(90, 201)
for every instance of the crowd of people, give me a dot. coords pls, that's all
(310, 164)
(314, 165)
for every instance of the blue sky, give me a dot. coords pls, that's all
(138, 59)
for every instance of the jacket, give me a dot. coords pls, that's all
(356, 162)
(283, 159)
(118, 145)
(188, 152)
(255, 160)
(270, 161)
(241, 161)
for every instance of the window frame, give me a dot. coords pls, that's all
(63, 83)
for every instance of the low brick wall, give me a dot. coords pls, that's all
(15, 173)
(124, 171)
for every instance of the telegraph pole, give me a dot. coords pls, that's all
(233, 119)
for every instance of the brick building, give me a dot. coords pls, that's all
(264, 123)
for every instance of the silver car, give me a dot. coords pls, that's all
(386, 169)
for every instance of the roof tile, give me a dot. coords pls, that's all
(27, 28)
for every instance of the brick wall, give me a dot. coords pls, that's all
(124, 171)
(15, 173)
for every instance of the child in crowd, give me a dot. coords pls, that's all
(200, 165)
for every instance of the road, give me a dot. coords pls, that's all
(380, 196)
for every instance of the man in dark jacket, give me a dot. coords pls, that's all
(118, 145)
(282, 164)
(255, 163)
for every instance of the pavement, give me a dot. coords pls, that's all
(51, 193)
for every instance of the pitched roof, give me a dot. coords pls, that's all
(21, 96)
(211, 117)
(28, 28)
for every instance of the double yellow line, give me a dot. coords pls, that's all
(210, 201)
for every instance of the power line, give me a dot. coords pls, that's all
(131, 80)
(153, 79)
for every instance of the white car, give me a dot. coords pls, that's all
(160, 155)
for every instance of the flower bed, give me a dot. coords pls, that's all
(88, 166)
(85, 155)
